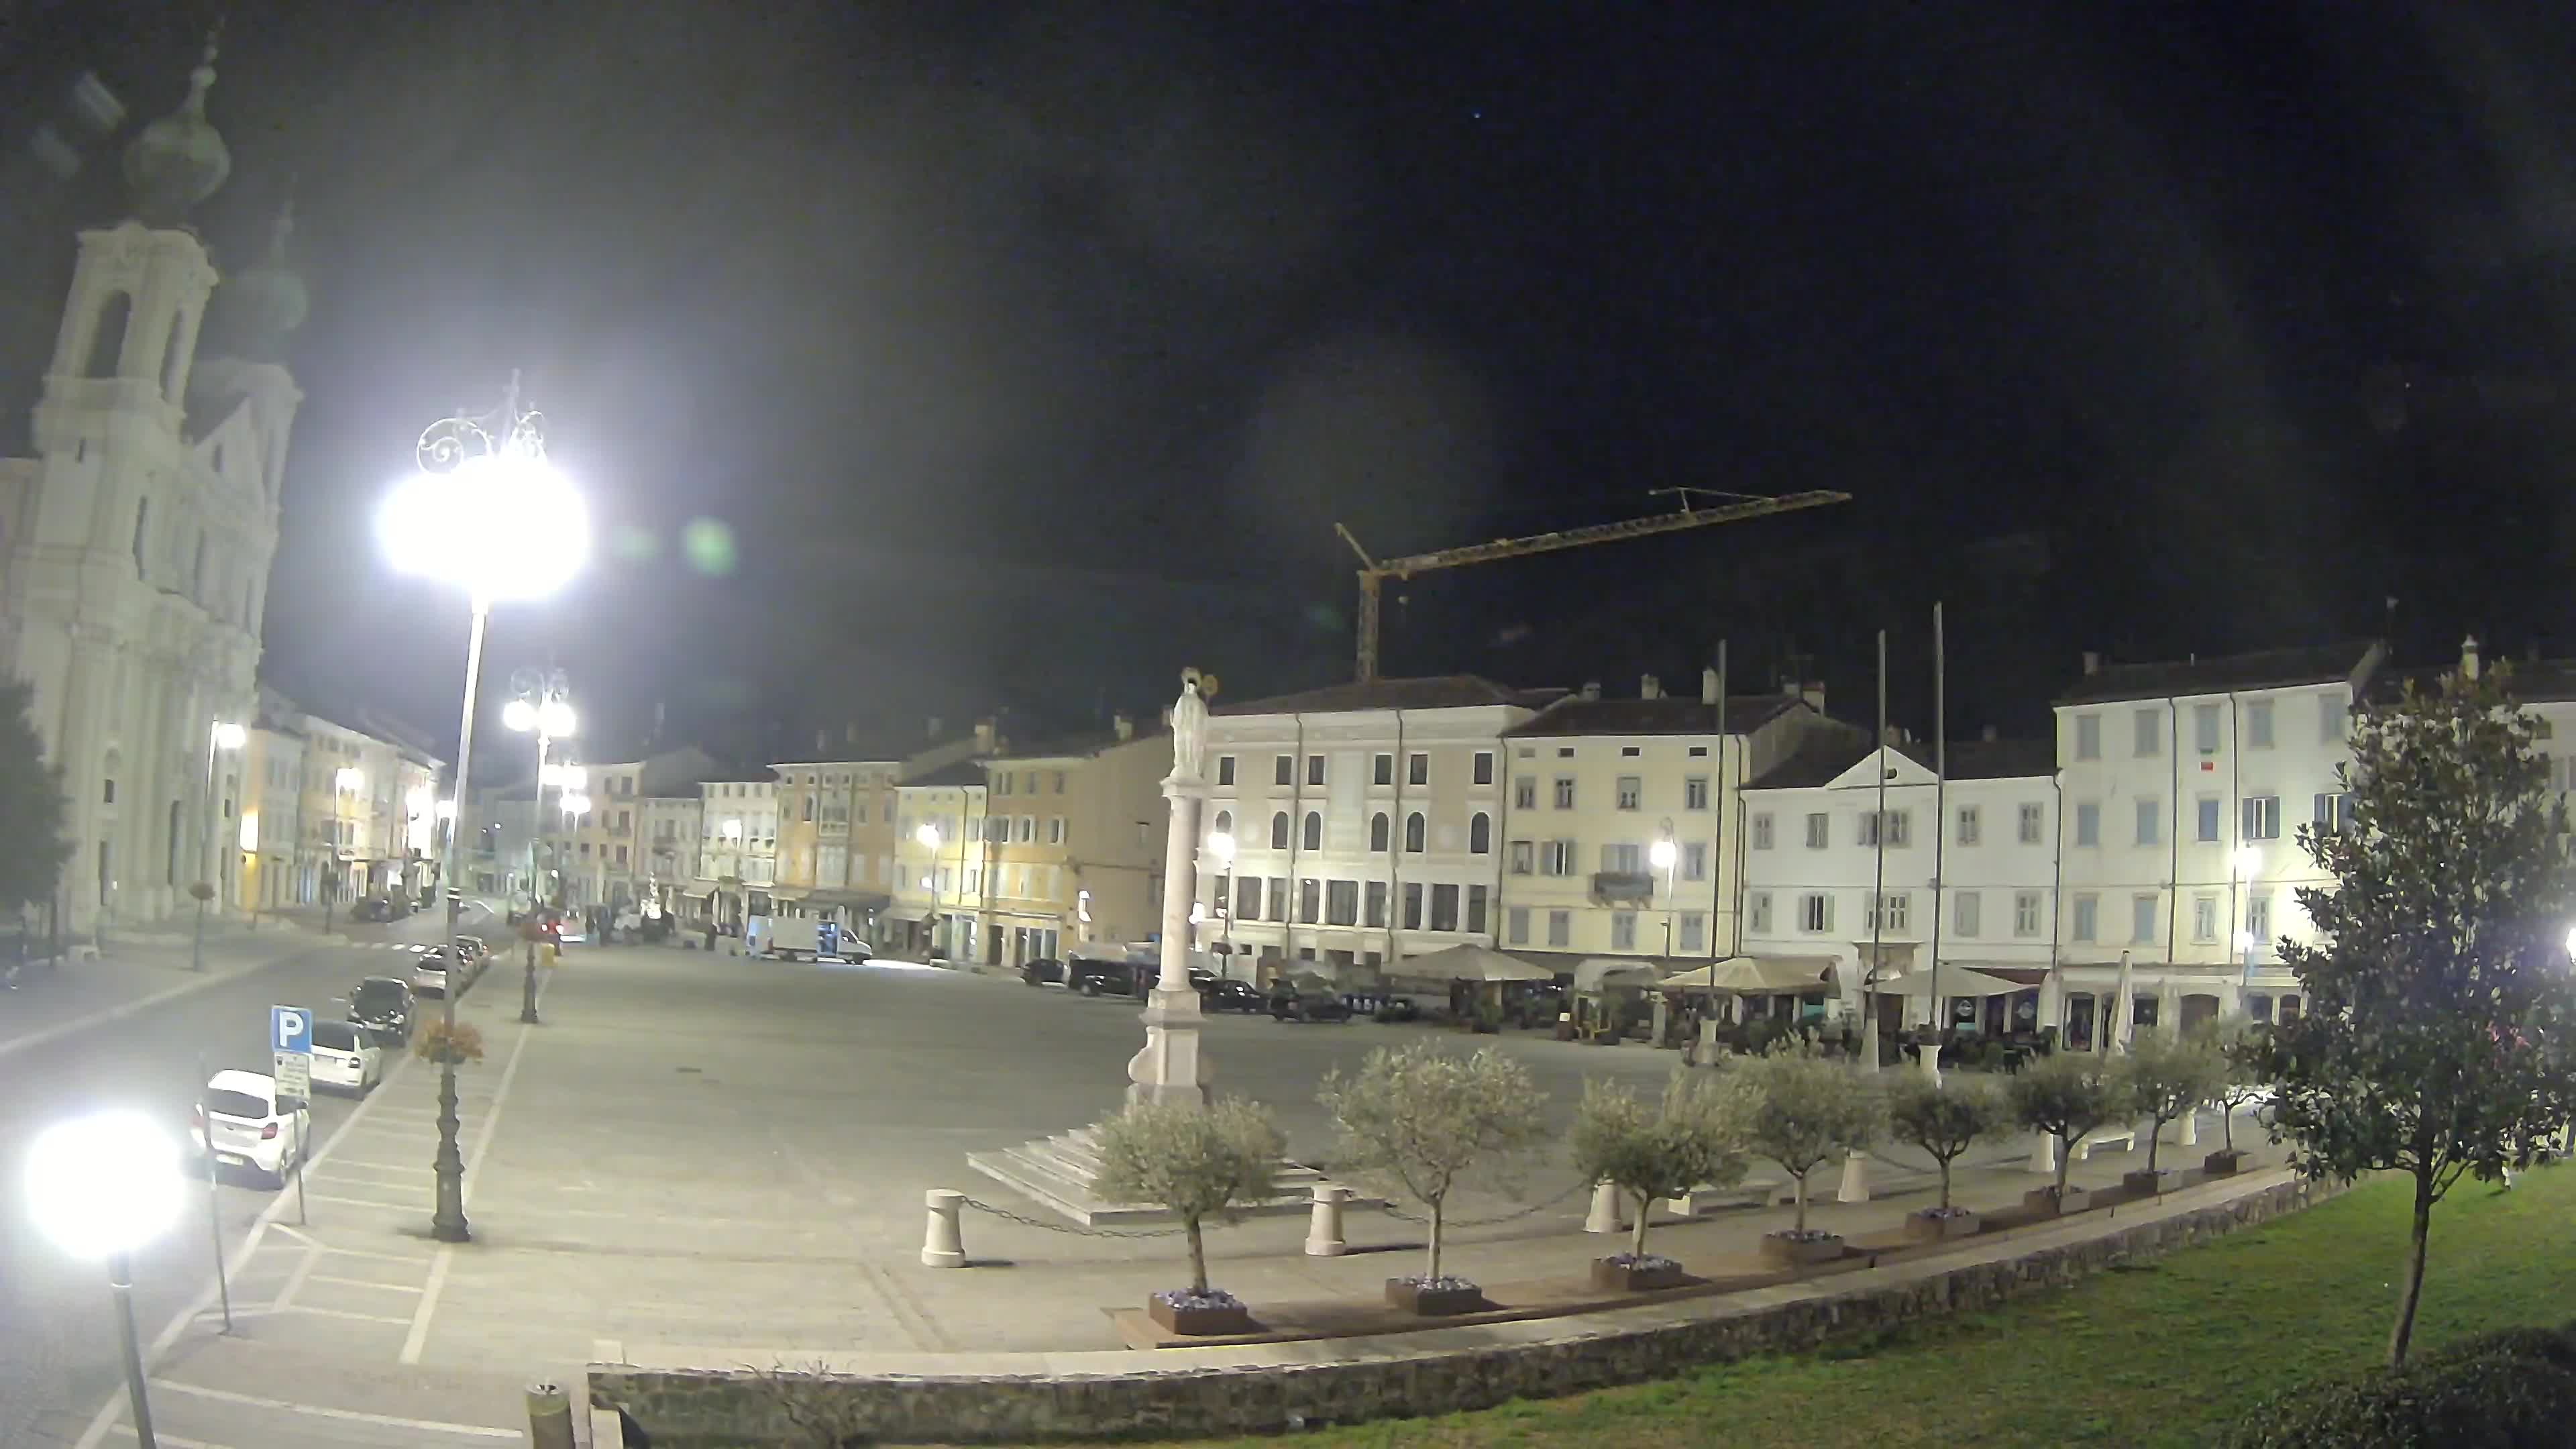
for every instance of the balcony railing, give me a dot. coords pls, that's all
(1623, 885)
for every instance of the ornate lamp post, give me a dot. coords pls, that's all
(100, 1187)
(487, 513)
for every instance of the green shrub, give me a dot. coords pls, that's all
(2513, 1389)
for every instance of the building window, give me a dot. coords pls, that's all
(1629, 752)
(1413, 905)
(1310, 901)
(2087, 923)
(1888, 910)
(1279, 831)
(1757, 909)
(1342, 903)
(2204, 918)
(1376, 903)
(1055, 830)
(2088, 737)
(1283, 770)
(2088, 823)
(1695, 793)
(1694, 933)
(1225, 769)
(1480, 834)
(1627, 858)
(1560, 925)
(1417, 770)
(1632, 792)
(2142, 920)
(1248, 898)
(1525, 793)
(1565, 792)
(2033, 818)
(1965, 908)
(1219, 895)
(1413, 833)
(2150, 731)
(1695, 860)
(1382, 770)
(2258, 724)
(1516, 926)
(1001, 784)
(1475, 909)
(2204, 728)
(1314, 769)
(2258, 924)
(2334, 811)
(2205, 824)
(1815, 912)
(1819, 829)
(1556, 857)
(2025, 913)
(1521, 857)
(1762, 831)
(2331, 723)
(1484, 767)
(1971, 829)
(2259, 817)
(1897, 826)
(1378, 829)
(2150, 822)
(1623, 930)
(1313, 838)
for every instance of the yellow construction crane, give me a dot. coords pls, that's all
(1374, 571)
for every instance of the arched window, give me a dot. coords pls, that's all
(1314, 830)
(142, 533)
(1225, 822)
(1279, 831)
(1480, 834)
(1413, 832)
(107, 343)
(1378, 839)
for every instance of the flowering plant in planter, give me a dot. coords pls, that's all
(1200, 1162)
(438, 1042)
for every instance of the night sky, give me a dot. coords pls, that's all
(1025, 354)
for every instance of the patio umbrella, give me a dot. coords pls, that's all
(1955, 981)
(1473, 963)
(2124, 991)
(1754, 974)
(1598, 972)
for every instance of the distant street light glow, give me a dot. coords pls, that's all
(928, 835)
(349, 778)
(229, 736)
(519, 715)
(1221, 845)
(1661, 853)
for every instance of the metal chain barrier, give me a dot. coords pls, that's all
(1391, 1210)
(1024, 1220)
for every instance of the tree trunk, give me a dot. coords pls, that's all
(1198, 1257)
(2413, 1291)
(2065, 1159)
(1637, 1234)
(2227, 1125)
(1945, 1185)
(2155, 1138)
(1434, 1270)
(1801, 1180)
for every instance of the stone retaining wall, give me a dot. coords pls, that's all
(1184, 1392)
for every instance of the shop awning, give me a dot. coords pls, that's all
(1756, 974)
(847, 900)
(915, 914)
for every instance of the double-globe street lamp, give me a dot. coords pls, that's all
(222, 737)
(537, 704)
(101, 1186)
(487, 513)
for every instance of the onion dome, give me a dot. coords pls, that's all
(261, 305)
(178, 160)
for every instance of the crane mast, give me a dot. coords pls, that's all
(1374, 572)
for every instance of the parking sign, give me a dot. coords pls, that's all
(290, 1046)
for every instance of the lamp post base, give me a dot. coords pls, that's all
(120, 1282)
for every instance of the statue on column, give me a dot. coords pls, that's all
(1189, 726)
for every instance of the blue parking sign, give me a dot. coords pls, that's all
(290, 1051)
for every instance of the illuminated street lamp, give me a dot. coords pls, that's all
(222, 737)
(487, 513)
(101, 1186)
(1221, 845)
(1661, 855)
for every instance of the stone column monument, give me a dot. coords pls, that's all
(1170, 1068)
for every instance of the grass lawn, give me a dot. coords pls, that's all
(2167, 1353)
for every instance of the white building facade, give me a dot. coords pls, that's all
(737, 846)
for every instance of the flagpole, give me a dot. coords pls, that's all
(1940, 796)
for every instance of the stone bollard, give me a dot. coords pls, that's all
(2190, 1124)
(1930, 1061)
(1855, 1186)
(1324, 1223)
(1605, 1216)
(549, 1417)
(2043, 1155)
(941, 1247)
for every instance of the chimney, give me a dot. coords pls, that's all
(1895, 735)
(2092, 661)
(1650, 688)
(1987, 734)
(2469, 657)
(822, 743)
(984, 736)
(1592, 689)
(1124, 725)
(1708, 686)
(934, 727)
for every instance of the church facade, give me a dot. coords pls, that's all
(135, 545)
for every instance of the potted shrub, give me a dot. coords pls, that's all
(1418, 1123)
(1690, 1139)
(2065, 1096)
(1800, 1110)
(2240, 1081)
(1945, 1120)
(1200, 1162)
(2166, 1079)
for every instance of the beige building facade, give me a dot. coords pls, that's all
(1074, 839)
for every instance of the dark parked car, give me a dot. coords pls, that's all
(1309, 1006)
(380, 908)
(1044, 971)
(380, 1006)
(1107, 978)
(1216, 995)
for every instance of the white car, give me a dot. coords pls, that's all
(346, 1058)
(240, 1121)
(429, 973)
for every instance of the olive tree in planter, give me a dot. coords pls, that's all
(1693, 1138)
(1200, 1162)
(2240, 1082)
(1800, 1109)
(1418, 1122)
(1944, 1119)
(2167, 1078)
(2066, 1096)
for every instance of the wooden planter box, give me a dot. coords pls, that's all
(1923, 1227)
(2225, 1162)
(1232, 1318)
(1412, 1297)
(1788, 1252)
(2151, 1184)
(2045, 1201)
(1611, 1276)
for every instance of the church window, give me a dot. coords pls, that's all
(108, 342)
